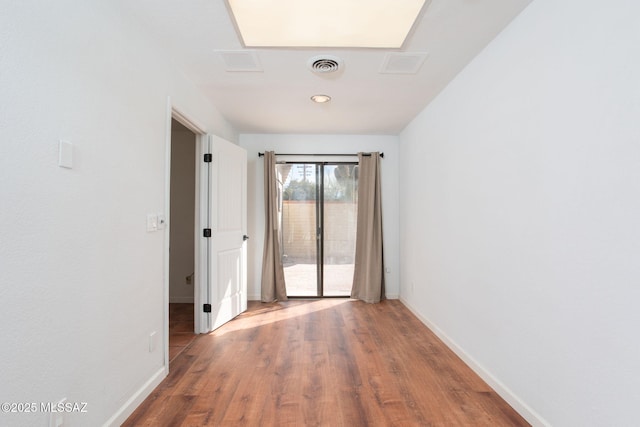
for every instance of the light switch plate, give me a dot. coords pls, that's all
(65, 154)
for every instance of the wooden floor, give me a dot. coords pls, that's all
(180, 328)
(331, 362)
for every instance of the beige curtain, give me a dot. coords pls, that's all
(272, 271)
(368, 277)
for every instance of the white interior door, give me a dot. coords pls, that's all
(227, 290)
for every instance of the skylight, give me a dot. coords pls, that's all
(325, 23)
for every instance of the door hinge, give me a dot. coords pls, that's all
(206, 232)
(206, 308)
(208, 158)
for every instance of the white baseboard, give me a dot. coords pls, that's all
(181, 300)
(138, 397)
(516, 403)
(257, 297)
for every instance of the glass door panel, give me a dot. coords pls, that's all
(299, 219)
(339, 218)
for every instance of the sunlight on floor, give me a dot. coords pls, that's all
(274, 312)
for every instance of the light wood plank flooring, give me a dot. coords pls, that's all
(322, 363)
(180, 328)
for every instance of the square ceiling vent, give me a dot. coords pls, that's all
(402, 63)
(240, 60)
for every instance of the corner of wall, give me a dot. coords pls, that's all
(511, 398)
(137, 398)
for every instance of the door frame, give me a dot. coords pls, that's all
(320, 220)
(200, 249)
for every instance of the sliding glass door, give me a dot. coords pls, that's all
(318, 223)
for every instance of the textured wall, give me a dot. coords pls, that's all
(81, 280)
(520, 199)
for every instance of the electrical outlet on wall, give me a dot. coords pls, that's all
(152, 341)
(58, 417)
(152, 222)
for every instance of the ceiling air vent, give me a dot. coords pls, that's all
(403, 62)
(324, 64)
(240, 60)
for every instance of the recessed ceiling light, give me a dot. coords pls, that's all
(325, 23)
(321, 99)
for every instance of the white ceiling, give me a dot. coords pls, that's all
(364, 101)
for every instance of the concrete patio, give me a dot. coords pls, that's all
(301, 279)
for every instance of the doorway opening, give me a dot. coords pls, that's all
(318, 219)
(182, 244)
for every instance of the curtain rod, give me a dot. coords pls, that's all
(328, 155)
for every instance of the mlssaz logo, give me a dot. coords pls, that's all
(64, 407)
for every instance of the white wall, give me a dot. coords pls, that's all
(333, 144)
(183, 200)
(81, 280)
(520, 201)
